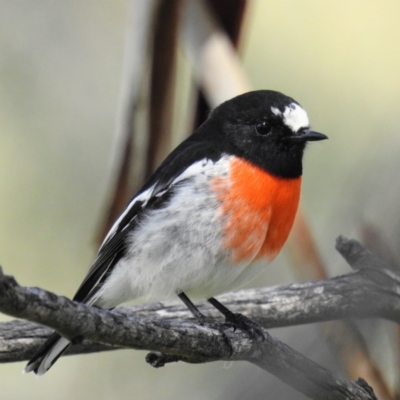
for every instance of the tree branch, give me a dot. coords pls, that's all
(371, 290)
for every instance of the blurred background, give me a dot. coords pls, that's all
(61, 69)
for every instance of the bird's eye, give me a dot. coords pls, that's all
(263, 128)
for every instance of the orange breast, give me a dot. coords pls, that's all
(258, 210)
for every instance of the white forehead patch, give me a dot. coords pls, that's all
(294, 117)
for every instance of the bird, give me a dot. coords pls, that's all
(210, 218)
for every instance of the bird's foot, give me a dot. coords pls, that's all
(239, 321)
(219, 326)
(211, 323)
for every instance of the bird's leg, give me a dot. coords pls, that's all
(239, 321)
(203, 320)
(192, 308)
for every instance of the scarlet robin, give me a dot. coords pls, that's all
(209, 219)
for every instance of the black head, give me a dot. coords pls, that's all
(267, 128)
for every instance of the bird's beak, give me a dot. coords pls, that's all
(307, 135)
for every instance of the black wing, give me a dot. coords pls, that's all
(196, 148)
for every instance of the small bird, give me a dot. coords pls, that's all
(209, 219)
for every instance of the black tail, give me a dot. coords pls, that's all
(47, 355)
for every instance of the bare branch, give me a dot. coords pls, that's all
(360, 294)
(182, 340)
(168, 333)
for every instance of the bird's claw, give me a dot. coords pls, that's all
(239, 321)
